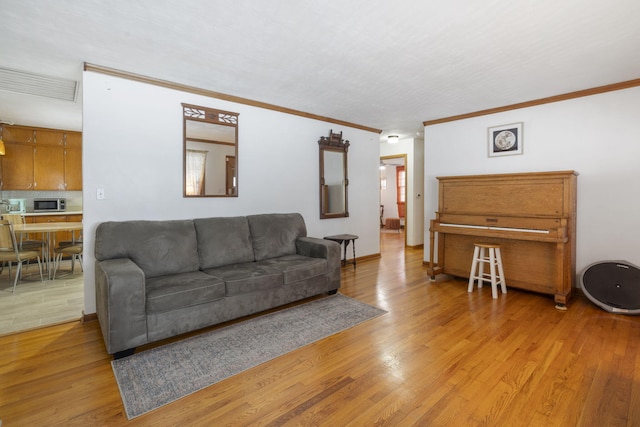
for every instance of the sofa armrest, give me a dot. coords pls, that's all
(321, 248)
(121, 304)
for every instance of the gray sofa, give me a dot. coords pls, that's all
(159, 279)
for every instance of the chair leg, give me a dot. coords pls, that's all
(56, 264)
(15, 281)
(40, 268)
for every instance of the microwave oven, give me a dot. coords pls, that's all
(49, 205)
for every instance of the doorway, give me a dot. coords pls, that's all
(394, 217)
(37, 304)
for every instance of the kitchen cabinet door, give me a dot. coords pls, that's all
(49, 137)
(48, 168)
(17, 167)
(73, 162)
(18, 134)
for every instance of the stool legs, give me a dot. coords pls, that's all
(494, 259)
(492, 269)
(503, 285)
(474, 265)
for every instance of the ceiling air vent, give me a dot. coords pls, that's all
(37, 84)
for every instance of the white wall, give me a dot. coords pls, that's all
(414, 212)
(132, 147)
(597, 136)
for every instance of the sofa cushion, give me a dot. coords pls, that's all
(159, 248)
(275, 235)
(297, 267)
(167, 293)
(223, 241)
(247, 277)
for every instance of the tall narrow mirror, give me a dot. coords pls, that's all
(210, 152)
(334, 181)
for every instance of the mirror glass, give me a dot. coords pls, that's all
(210, 152)
(333, 176)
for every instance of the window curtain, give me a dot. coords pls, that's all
(401, 189)
(196, 162)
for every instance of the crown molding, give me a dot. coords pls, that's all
(199, 91)
(548, 100)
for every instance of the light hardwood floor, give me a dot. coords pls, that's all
(439, 357)
(37, 303)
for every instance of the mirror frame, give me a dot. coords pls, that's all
(213, 116)
(333, 143)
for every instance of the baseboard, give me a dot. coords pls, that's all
(88, 317)
(367, 258)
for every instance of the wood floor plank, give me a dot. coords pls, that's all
(440, 356)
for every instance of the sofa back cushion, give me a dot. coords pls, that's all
(223, 241)
(157, 247)
(275, 235)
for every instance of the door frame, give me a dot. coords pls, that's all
(407, 213)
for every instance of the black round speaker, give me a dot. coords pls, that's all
(613, 285)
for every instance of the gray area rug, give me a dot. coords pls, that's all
(161, 375)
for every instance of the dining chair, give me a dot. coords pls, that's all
(10, 252)
(73, 250)
(18, 219)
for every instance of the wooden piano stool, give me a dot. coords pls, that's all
(494, 259)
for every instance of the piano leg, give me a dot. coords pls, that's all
(431, 269)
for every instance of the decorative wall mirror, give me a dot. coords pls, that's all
(210, 152)
(334, 181)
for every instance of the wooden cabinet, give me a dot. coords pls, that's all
(17, 166)
(41, 159)
(49, 137)
(73, 162)
(18, 134)
(48, 167)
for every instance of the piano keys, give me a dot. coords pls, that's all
(531, 215)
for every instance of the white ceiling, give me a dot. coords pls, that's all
(388, 65)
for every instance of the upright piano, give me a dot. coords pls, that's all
(531, 215)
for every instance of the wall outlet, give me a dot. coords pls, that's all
(99, 193)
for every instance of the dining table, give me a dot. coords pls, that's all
(48, 231)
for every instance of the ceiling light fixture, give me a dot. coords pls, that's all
(392, 139)
(37, 84)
